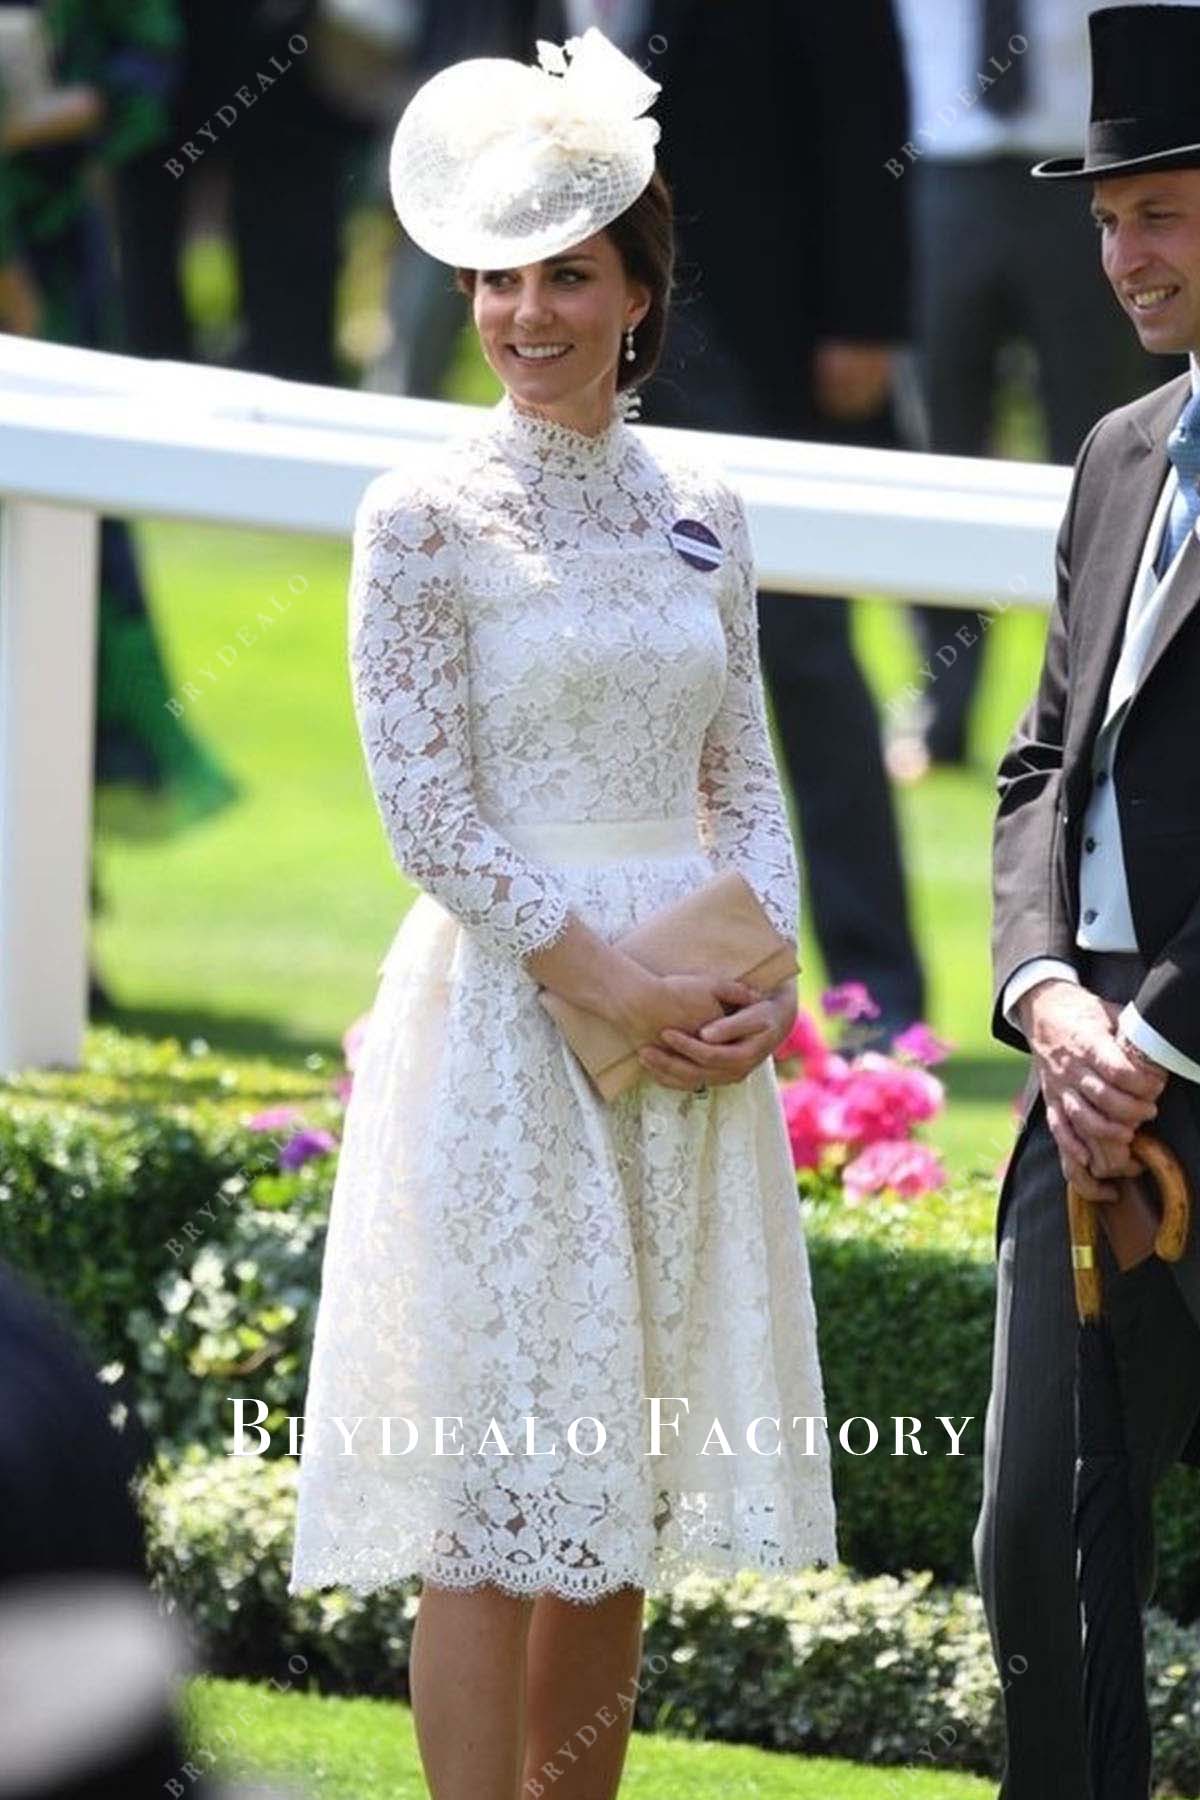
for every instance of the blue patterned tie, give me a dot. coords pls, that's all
(1183, 448)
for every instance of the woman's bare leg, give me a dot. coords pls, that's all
(467, 1680)
(582, 1663)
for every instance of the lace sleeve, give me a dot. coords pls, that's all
(743, 818)
(410, 684)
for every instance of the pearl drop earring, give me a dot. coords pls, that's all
(630, 352)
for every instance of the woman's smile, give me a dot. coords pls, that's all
(528, 353)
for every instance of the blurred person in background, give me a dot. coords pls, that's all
(83, 87)
(262, 102)
(91, 1664)
(792, 298)
(85, 1726)
(425, 313)
(994, 85)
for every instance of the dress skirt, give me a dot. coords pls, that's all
(562, 1345)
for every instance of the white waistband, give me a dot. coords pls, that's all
(602, 840)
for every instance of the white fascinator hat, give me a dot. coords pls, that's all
(496, 163)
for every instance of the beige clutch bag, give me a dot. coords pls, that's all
(718, 929)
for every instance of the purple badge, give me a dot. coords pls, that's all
(695, 543)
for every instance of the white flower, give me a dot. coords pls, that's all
(593, 102)
(552, 57)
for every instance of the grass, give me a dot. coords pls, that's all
(261, 929)
(342, 1749)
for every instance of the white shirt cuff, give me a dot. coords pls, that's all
(1027, 975)
(1154, 1044)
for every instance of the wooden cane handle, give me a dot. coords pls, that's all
(1174, 1193)
(1085, 1261)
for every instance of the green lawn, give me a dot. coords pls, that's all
(262, 928)
(340, 1749)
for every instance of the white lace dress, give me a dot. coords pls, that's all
(560, 703)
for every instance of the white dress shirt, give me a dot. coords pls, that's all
(1105, 918)
(945, 61)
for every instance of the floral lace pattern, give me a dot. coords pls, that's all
(529, 644)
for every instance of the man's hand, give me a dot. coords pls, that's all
(62, 116)
(851, 380)
(1098, 1089)
(20, 302)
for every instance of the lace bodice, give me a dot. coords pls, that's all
(528, 641)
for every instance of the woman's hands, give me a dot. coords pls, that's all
(727, 1048)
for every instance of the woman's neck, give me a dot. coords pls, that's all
(589, 414)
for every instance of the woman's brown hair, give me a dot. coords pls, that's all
(644, 238)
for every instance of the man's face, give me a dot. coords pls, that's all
(1150, 248)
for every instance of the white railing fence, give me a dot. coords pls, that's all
(83, 434)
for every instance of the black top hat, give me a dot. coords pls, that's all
(1145, 97)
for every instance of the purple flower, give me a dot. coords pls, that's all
(305, 1144)
(850, 1000)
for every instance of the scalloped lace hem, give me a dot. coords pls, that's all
(586, 1588)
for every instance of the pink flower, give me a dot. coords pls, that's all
(879, 1099)
(341, 1085)
(805, 1044)
(802, 1101)
(921, 1044)
(838, 1069)
(352, 1038)
(895, 1163)
(851, 1000)
(274, 1118)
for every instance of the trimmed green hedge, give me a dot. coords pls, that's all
(109, 1175)
(880, 1670)
(133, 1192)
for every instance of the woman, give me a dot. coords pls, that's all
(555, 674)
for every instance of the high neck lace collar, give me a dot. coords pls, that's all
(545, 444)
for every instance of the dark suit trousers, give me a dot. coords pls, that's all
(286, 207)
(824, 711)
(829, 735)
(1023, 1542)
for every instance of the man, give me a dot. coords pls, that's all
(1096, 935)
